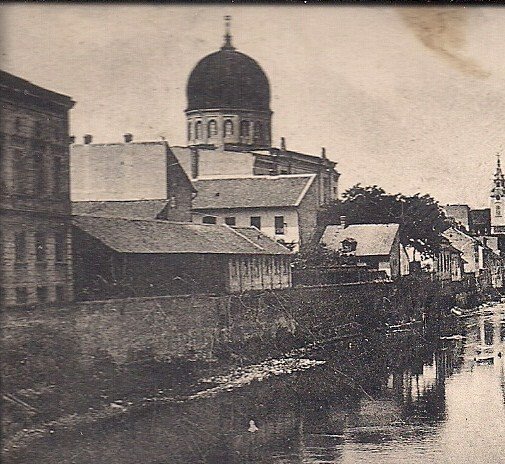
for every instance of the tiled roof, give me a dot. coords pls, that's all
(135, 209)
(251, 191)
(141, 236)
(372, 239)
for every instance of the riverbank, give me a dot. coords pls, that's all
(94, 362)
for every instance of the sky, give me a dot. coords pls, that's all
(410, 99)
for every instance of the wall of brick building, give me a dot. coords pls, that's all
(34, 193)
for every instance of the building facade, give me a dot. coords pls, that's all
(36, 261)
(497, 199)
(283, 207)
(120, 257)
(142, 173)
(376, 245)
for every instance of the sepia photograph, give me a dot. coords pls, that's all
(267, 233)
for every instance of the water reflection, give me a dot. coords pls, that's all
(399, 400)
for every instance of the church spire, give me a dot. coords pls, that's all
(499, 177)
(227, 36)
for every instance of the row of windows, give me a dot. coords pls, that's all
(42, 294)
(21, 249)
(23, 163)
(229, 129)
(255, 221)
(38, 129)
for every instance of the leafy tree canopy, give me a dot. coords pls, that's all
(421, 218)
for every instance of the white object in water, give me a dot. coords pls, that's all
(252, 426)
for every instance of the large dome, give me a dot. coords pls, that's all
(228, 79)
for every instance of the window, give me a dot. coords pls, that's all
(60, 293)
(39, 172)
(40, 246)
(198, 130)
(189, 131)
(37, 129)
(230, 220)
(21, 295)
(244, 128)
(42, 294)
(20, 247)
(256, 222)
(173, 202)
(498, 210)
(57, 177)
(279, 225)
(258, 130)
(228, 127)
(209, 220)
(60, 247)
(20, 172)
(212, 128)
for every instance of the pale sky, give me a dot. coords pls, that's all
(410, 99)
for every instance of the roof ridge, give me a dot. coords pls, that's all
(244, 237)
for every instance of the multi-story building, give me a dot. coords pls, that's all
(283, 207)
(36, 261)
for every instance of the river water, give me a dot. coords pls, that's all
(400, 399)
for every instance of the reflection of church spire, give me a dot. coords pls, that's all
(227, 36)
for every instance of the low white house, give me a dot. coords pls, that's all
(377, 245)
(283, 207)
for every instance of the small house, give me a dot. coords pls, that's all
(377, 245)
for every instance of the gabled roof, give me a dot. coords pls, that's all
(371, 239)
(163, 237)
(251, 191)
(134, 209)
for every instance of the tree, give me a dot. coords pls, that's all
(421, 219)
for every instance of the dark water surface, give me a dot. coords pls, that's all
(403, 399)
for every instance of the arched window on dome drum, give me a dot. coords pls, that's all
(212, 128)
(244, 128)
(258, 130)
(198, 130)
(189, 131)
(228, 127)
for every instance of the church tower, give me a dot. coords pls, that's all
(497, 201)
(228, 100)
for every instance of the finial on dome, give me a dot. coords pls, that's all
(227, 36)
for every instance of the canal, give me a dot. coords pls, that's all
(404, 398)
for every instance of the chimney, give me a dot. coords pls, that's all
(71, 139)
(343, 224)
(283, 144)
(323, 153)
(128, 138)
(88, 138)
(195, 161)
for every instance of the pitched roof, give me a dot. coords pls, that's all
(135, 209)
(372, 239)
(163, 237)
(251, 191)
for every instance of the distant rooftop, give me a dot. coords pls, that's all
(251, 191)
(133, 209)
(371, 239)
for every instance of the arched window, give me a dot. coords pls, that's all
(244, 128)
(258, 130)
(198, 130)
(189, 131)
(228, 127)
(212, 128)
